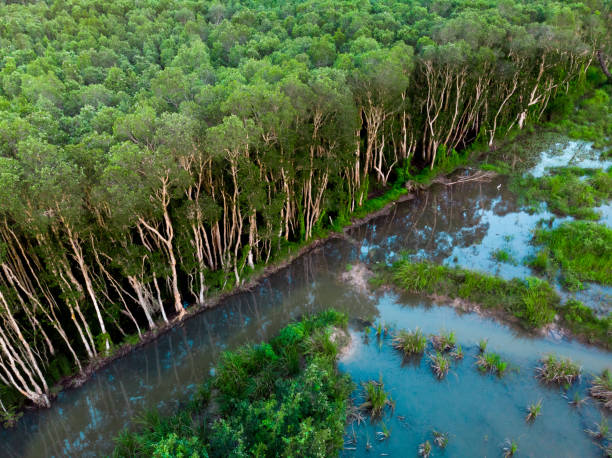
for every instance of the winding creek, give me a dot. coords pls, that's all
(461, 225)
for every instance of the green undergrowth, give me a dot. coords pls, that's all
(582, 250)
(581, 320)
(533, 301)
(568, 191)
(282, 398)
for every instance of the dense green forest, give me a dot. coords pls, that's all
(152, 152)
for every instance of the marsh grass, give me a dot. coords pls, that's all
(482, 345)
(425, 449)
(554, 370)
(601, 430)
(492, 362)
(444, 342)
(531, 300)
(440, 439)
(509, 448)
(501, 255)
(582, 250)
(566, 192)
(601, 388)
(457, 354)
(581, 319)
(410, 343)
(384, 434)
(382, 330)
(533, 411)
(376, 398)
(440, 364)
(577, 400)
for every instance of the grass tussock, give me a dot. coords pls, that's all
(376, 398)
(501, 255)
(601, 388)
(410, 343)
(492, 362)
(533, 301)
(444, 342)
(601, 430)
(425, 449)
(284, 397)
(581, 250)
(556, 370)
(440, 439)
(440, 364)
(510, 448)
(533, 411)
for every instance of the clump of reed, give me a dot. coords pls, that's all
(510, 448)
(376, 398)
(577, 400)
(534, 411)
(491, 362)
(601, 431)
(557, 370)
(457, 354)
(601, 388)
(381, 330)
(482, 345)
(425, 449)
(410, 342)
(440, 364)
(445, 341)
(384, 434)
(440, 439)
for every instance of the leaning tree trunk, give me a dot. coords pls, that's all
(602, 63)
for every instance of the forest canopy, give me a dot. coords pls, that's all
(153, 151)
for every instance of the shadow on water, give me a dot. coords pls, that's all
(461, 224)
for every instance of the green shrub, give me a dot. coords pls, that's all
(265, 404)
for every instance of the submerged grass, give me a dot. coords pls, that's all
(284, 397)
(556, 370)
(582, 250)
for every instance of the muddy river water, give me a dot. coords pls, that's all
(461, 224)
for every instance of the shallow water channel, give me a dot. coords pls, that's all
(460, 224)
